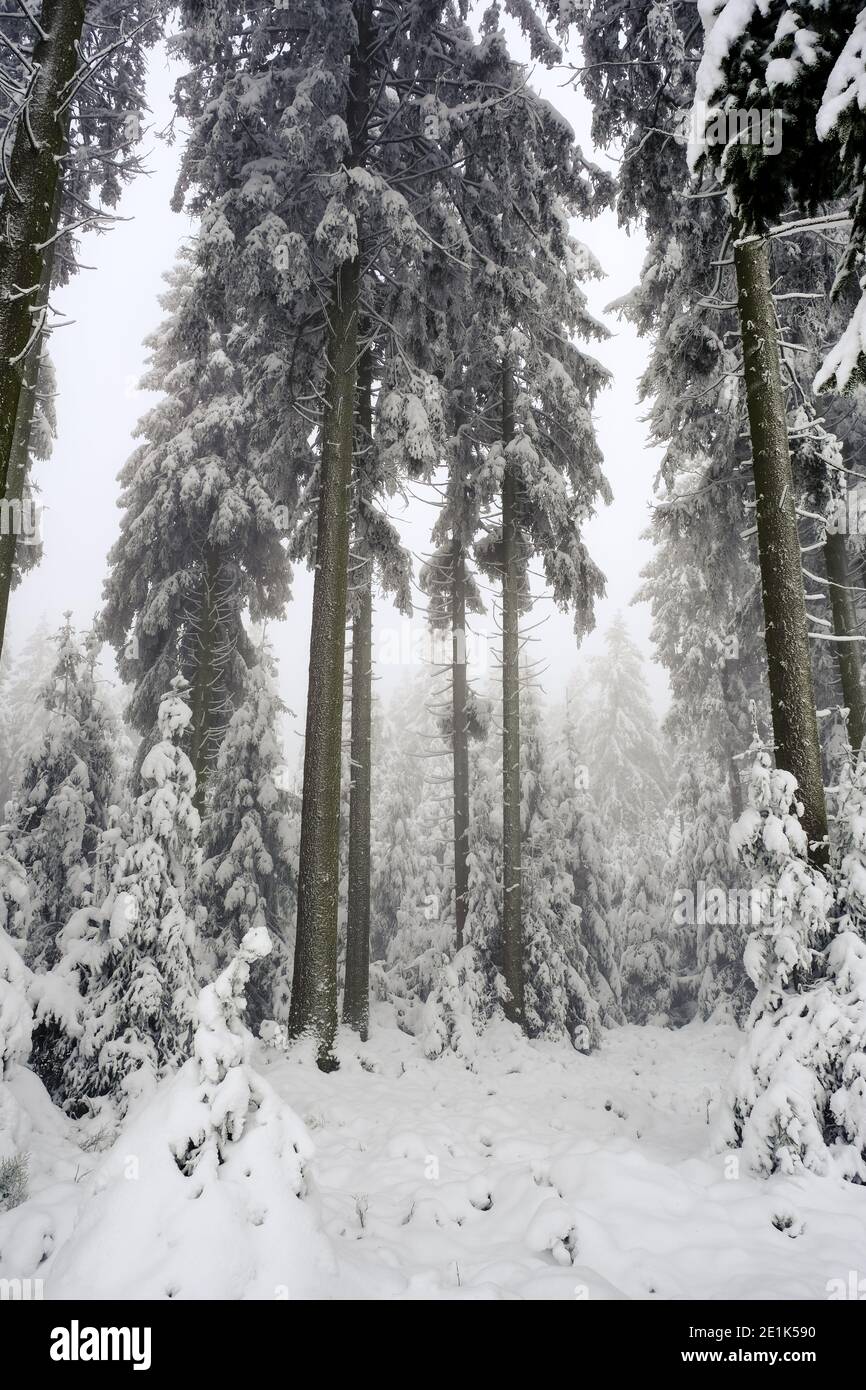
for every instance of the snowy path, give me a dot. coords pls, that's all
(545, 1175)
(438, 1182)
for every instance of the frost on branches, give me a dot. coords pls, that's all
(16, 1023)
(251, 844)
(131, 961)
(453, 1008)
(796, 1096)
(54, 820)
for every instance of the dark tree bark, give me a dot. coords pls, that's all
(845, 627)
(19, 459)
(356, 998)
(795, 725)
(460, 743)
(314, 979)
(16, 480)
(29, 207)
(512, 912)
(356, 995)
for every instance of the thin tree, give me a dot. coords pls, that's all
(846, 631)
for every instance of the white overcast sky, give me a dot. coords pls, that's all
(99, 359)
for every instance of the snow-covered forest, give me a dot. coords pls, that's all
(383, 913)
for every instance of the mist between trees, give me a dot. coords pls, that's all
(382, 313)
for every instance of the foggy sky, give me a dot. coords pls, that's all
(99, 360)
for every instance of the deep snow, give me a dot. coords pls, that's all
(543, 1174)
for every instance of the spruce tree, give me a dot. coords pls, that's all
(619, 741)
(202, 533)
(250, 845)
(59, 807)
(129, 962)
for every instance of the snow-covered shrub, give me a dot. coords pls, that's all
(16, 1026)
(54, 821)
(15, 905)
(777, 1101)
(846, 963)
(16, 1014)
(452, 1016)
(206, 1192)
(797, 1096)
(229, 1094)
(128, 964)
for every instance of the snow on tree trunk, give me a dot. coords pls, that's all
(460, 745)
(33, 172)
(29, 408)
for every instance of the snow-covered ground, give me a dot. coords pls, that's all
(544, 1174)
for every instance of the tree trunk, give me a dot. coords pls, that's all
(356, 998)
(460, 743)
(845, 626)
(512, 916)
(314, 980)
(19, 459)
(356, 995)
(735, 789)
(16, 479)
(795, 725)
(29, 205)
